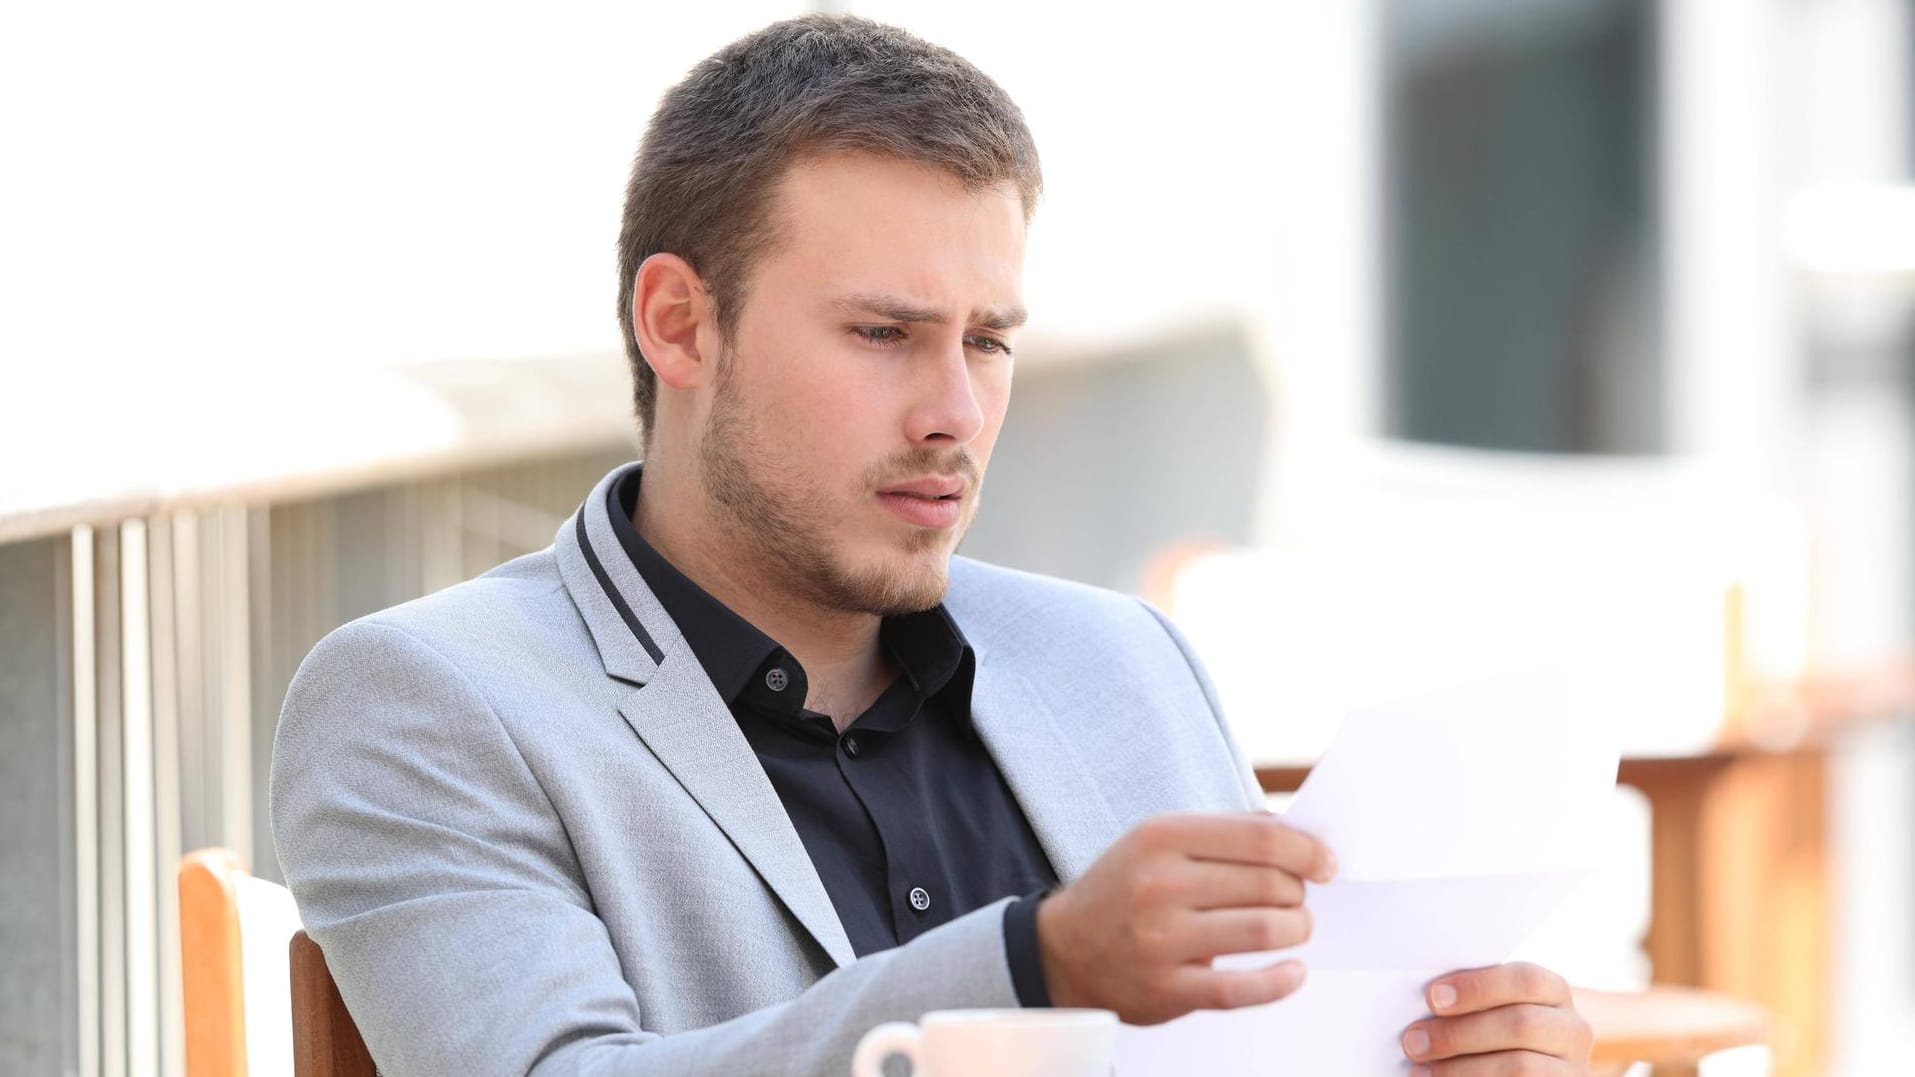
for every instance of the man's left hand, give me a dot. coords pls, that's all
(1503, 1021)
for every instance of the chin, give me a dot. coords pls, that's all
(895, 585)
(919, 585)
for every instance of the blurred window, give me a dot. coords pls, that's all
(1520, 224)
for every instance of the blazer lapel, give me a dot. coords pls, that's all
(681, 718)
(677, 714)
(1059, 795)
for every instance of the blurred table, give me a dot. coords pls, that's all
(1741, 889)
(1671, 1028)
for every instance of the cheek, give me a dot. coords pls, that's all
(994, 398)
(836, 428)
(803, 393)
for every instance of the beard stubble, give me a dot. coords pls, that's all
(786, 516)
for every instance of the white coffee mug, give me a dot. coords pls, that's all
(994, 1043)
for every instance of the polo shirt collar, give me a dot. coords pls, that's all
(927, 645)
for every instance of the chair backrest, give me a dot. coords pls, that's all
(325, 1041)
(233, 932)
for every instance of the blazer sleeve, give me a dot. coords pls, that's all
(1246, 774)
(433, 871)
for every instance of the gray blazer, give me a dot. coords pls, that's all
(530, 836)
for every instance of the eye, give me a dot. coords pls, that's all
(989, 345)
(881, 335)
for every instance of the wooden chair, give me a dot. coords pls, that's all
(325, 1041)
(233, 929)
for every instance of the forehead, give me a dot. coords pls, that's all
(863, 222)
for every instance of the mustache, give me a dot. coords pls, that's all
(925, 460)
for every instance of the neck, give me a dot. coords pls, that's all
(845, 668)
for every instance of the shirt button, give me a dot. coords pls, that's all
(777, 679)
(920, 899)
(851, 745)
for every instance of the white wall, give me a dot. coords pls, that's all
(322, 185)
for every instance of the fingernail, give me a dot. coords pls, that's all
(1329, 865)
(1442, 997)
(1416, 1043)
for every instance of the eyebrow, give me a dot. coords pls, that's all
(898, 309)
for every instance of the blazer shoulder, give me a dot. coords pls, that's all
(1113, 662)
(502, 598)
(439, 663)
(510, 619)
(999, 603)
(520, 597)
(972, 578)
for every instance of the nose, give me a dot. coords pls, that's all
(947, 408)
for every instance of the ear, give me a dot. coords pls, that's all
(670, 309)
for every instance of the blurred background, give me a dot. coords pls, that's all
(1389, 344)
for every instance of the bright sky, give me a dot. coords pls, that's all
(357, 183)
(326, 185)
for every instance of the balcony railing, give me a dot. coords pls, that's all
(152, 615)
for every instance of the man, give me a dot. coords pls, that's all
(747, 762)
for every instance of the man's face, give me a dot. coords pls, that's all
(860, 396)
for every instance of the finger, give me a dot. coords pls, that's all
(1250, 838)
(1503, 1064)
(1545, 1030)
(1244, 931)
(1200, 987)
(1215, 884)
(1474, 990)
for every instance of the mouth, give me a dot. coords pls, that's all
(930, 502)
(933, 488)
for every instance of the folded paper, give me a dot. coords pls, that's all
(1460, 821)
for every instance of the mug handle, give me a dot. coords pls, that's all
(890, 1038)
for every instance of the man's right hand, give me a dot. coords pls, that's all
(1136, 932)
